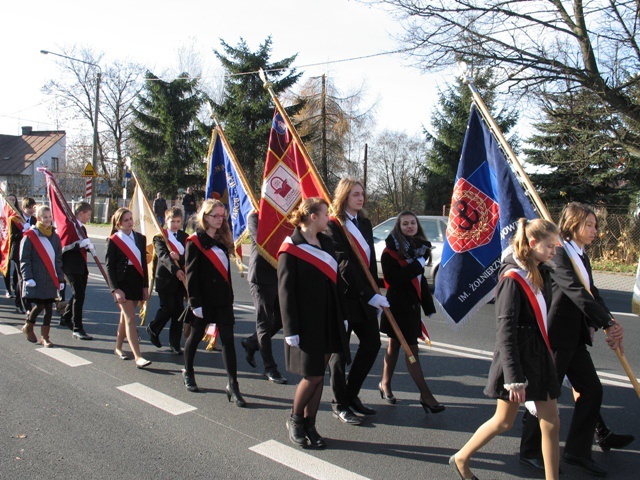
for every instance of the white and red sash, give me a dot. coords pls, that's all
(215, 255)
(46, 254)
(174, 243)
(128, 251)
(536, 300)
(320, 259)
(361, 244)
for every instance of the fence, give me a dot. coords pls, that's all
(100, 215)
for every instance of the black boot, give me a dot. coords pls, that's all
(312, 434)
(607, 440)
(189, 379)
(295, 425)
(233, 390)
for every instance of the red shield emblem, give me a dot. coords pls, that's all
(473, 218)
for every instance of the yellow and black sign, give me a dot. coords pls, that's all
(89, 171)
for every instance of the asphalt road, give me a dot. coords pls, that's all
(89, 421)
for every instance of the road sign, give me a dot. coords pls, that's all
(89, 171)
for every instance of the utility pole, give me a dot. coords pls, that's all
(364, 175)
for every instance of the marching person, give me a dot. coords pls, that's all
(74, 265)
(403, 260)
(523, 367)
(19, 226)
(189, 206)
(211, 293)
(126, 261)
(363, 304)
(41, 271)
(314, 326)
(263, 282)
(170, 280)
(576, 312)
(11, 277)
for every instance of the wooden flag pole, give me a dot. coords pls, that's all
(540, 206)
(365, 269)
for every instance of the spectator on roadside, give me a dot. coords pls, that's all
(159, 208)
(189, 206)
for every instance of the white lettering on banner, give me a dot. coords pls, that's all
(484, 276)
(508, 229)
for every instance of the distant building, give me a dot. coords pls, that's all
(21, 155)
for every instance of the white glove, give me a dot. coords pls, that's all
(198, 312)
(346, 325)
(293, 340)
(26, 227)
(62, 285)
(84, 243)
(378, 301)
(30, 283)
(422, 261)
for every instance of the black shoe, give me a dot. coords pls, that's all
(452, 462)
(315, 439)
(275, 377)
(20, 310)
(81, 335)
(175, 350)
(359, 407)
(536, 463)
(66, 323)
(234, 391)
(437, 408)
(153, 337)
(390, 399)
(189, 379)
(587, 464)
(608, 440)
(347, 416)
(249, 353)
(295, 427)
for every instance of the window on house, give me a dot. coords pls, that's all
(54, 164)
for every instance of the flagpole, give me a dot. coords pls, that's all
(70, 215)
(540, 206)
(314, 172)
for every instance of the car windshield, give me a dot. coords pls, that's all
(429, 225)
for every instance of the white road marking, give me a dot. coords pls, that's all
(303, 462)
(9, 329)
(68, 358)
(157, 399)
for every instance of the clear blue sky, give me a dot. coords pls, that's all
(152, 32)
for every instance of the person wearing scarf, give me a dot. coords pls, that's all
(41, 270)
(403, 260)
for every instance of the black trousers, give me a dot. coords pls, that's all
(17, 288)
(225, 333)
(171, 307)
(268, 322)
(346, 388)
(578, 367)
(73, 312)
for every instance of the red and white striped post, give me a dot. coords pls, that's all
(87, 188)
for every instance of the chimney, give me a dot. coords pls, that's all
(27, 130)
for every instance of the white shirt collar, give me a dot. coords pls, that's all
(579, 250)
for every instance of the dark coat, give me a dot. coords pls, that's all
(206, 286)
(189, 203)
(402, 295)
(159, 206)
(356, 288)
(33, 268)
(520, 352)
(573, 310)
(166, 269)
(74, 260)
(260, 270)
(310, 306)
(16, 237)
(117, 262)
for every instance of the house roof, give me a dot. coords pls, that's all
(18, 152)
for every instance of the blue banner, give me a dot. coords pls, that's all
(225, 184)
(486, 204)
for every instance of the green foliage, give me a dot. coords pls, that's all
(170, 140)
(578, 144)
(449, 125)
(247, 109)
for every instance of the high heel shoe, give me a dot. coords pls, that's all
(189, 380)
(234, 391)
(390, 399)
(437, 408)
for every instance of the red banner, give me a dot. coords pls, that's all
(62, 217)
(6, 213)
(287, 180)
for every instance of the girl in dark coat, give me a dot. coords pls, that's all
(126, 261)
(314, 326)
(522, 367)
(211, 293)
(41, 269)
(407, 250)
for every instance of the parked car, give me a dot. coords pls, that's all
(434, 228)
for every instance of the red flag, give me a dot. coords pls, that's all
(288, 179)
(7, 212)
(63, 219)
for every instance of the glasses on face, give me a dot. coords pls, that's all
(217, 216)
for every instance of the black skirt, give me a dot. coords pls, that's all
(221, 316)
(132, 284)
(410, 325)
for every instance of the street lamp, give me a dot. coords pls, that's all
(94, 151)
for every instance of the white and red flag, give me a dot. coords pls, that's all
(7, 213)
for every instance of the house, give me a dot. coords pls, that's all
(21, 155)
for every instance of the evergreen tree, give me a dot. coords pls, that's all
(247, 109)
(449, 124)
(579, 143)
(171, 141)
